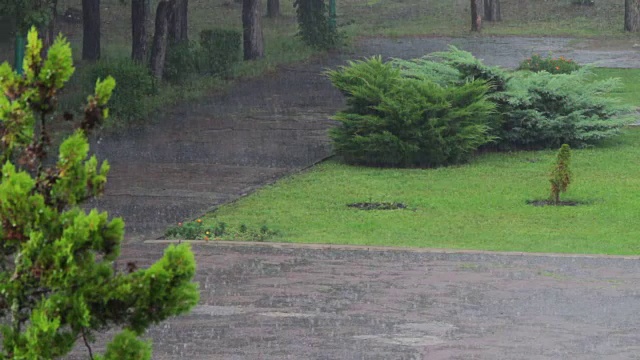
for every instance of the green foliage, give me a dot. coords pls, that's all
(27, 13)
(540, 110)
(219, 230)
(549, 64)
(135, 82)
(395, 118)
(126, 345)
(313, 24)
(561, 175)
(181, 61)
(220, 50)
(471, 68)
(57, 276)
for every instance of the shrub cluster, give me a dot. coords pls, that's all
(439, 109)
(398, 120)
(220, 49)
(196, 230)
(559, 65)
(134, 83)
(215, 54)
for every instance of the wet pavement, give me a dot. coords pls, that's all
(301, 302)
(261, 302)
(201, 154)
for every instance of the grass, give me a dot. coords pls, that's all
(481, 205)
(629, 93)
(452, 17)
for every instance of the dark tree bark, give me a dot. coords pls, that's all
(139, 30)
(632, 15)
(476, 15)
(178, 22)
(253, 41)
(90, 30)
(159, 46)
(50, 31)
(273, 8)
(492, 10)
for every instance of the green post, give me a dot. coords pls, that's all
(332, 14)
(19, 52)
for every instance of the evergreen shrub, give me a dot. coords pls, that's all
(541, 109)
(395, 118)
(134, 83)
(220, 50)
(182, 61)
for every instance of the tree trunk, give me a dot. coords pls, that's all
(476, 15)
(253, 42)
(90, 30)
(178, 24)
(632, 15)
(492, 10)
(139, 31)
(159, 46)
(273, 8)
(49, 33)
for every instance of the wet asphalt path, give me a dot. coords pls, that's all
(260, 302)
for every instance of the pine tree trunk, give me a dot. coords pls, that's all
(139, 30)
(632, 15)
(492, 10)
(49, 33)
(273, 8)
(253, 42)
(91, 30)
(178, 21)
(159, 46)
(476, 15)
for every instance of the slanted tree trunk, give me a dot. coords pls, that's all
(90, 30)
(159, 46)
(632, 15)
(273, 8)
(492, 10)
(139, 30)
(253, 42)
(476, 15)
(178, 24)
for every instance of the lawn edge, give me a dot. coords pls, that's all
(282, 245)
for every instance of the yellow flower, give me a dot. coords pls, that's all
(199, 221)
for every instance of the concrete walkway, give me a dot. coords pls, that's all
(263, 302)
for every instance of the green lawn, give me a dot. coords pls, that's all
(480, 205)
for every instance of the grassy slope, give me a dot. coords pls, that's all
(481, 205)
